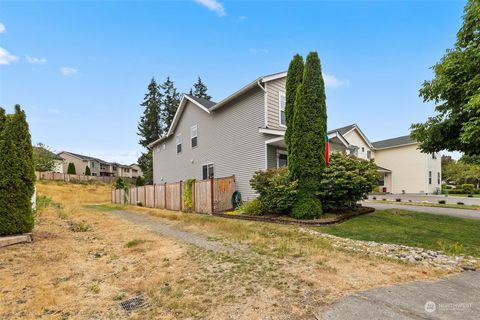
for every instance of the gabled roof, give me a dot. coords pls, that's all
(50, 153)
(344, 130)
(394, 142)
(204, 102)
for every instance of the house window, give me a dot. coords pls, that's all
(92, 164)
(438, 177)
(193, 135)
(282, 160)
(381, 182)
(207, 170)
(179, 143)
(363, 149)
(429, 177)
(281, 107)
(369, 154)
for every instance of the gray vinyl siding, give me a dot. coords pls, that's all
(272, 114)
(229, 138)
(271, 157)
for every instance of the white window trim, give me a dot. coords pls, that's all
(279, 152)
(192, 136)
(178, 137)
(281, 93)
(207, 164)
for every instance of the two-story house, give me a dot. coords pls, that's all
(243, 133)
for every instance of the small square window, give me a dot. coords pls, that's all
(179, 143)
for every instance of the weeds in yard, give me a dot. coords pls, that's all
(94, 288)
(453, 249)
(79, 226)
(134, 243)
(119, 296)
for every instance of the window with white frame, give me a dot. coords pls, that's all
(438, 177)
(282, 160)
(281, 109)
(429, 177)
(178, 141)
(194, 135)
(207, 171)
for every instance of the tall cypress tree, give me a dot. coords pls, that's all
(3, 118)
(71, 168)
(309, 127)
(87, 171)
(150, 127)
(171, 100)
(294, 79)
(200, 90)
(17, 175)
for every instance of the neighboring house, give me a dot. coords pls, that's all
(97, 166)
(244, 132)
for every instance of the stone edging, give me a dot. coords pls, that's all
(281, 220)
(19, 238)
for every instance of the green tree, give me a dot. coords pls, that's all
(139, 181)
(3, 118)
(145, 162)
(294, 79)
(150, 127)
(87, 171)
(71, 168)
(200, 90)
(17, 175)
(470, 159)
(44, 158)
(171, 100)
(456, 91)
(308, 139)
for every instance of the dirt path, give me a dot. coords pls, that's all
(157, 225)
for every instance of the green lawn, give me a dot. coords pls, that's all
(452, 235)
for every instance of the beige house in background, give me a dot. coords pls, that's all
(98, 167)
(243, 133)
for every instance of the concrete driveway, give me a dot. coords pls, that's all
(457, 297)
(460, 213)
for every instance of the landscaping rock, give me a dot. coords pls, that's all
(413, 255)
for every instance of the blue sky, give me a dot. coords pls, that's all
(80, 69)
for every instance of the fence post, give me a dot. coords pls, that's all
(180, 186)
(136, 198)
(165, 196)
(211, 194)
(145, 195)
(154, 195)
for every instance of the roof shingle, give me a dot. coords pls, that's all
(393, 142)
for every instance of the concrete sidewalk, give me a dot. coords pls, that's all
(433, 198)
(457, 297)
(459, 213)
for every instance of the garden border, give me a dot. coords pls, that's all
(282, 220)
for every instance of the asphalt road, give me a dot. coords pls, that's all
(460, 213)
(457, 297)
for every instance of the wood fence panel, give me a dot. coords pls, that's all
(160, 196)
(203, 199)
(140, 195)
(149, 196)
(173, 196)
(223, 191)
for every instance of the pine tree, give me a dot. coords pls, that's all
(171, 100)
(71, 168)
(200, 90)
(17, 175)
(294, 79)
(87, 171)
(309, 127)
(150, 127)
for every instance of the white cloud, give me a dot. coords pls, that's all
(332, 82)
(2, 28)
(253, 50)
(33, 60)
(6, 57)
(213, 5)
(68, 72)
(53, 110)
(242, 18)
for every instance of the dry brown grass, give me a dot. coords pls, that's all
(283, 274)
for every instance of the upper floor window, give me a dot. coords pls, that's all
(92, 164)
(281, 109)
(429, 177)
(438, 177)
(179, 142)
(194, 135)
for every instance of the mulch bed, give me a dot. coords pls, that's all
(282, 219)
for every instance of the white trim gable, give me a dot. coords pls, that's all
(179, 112)
(274, 76)
(364, 137)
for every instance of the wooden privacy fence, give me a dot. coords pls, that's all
(208, 196)
(75, 177)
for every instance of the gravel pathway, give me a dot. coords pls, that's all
(158, 225)
(459, 213)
